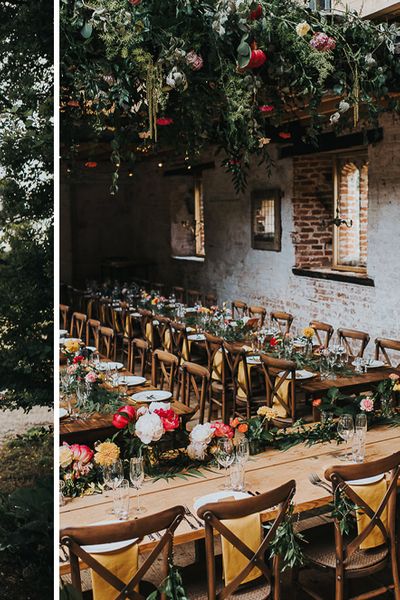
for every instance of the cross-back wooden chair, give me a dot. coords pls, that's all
(93, 333)
(282, 319)
(195, 380)
(148, 329)
(131, 330)
(210, 300)
(323, 332)
(78, 325)
(75, 538)
(341, 554)
(163, 370)
(220, 391)
(164, 333)
(239, 309)
(181, 346)
(354, 341)
(280, 381)
(258, 312)
(64, 311)
(179, 293)
(140, 352)
(194, 297)
(77, 299)
(246, 391)
(382, 345)
(107, 342)
(214, 515)
(105, 313)
(88, 307)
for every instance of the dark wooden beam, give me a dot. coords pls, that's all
(329, 142)
(194, 169)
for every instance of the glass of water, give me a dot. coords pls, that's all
(121, 500)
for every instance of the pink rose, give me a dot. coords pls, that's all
(367, 404)
(91, 377)
(81, 453)
(164, 121)
(322, 42)
(394, 376)
(266, 108)
(222, 430)
(71, 369)
(194, 60)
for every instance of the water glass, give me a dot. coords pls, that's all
(121, 500)
(225, 456)
(345, 429)
(361, 422)
(122, 386)
(136, 474)
(242, 450)
(113, 475)
(358, 446)
(324, 367)
(359, 364)
(237, 476)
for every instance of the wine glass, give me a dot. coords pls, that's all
(225, 456)
(242, 450)
(113, 475)
(345, 429)
(123, 386)
(136, 474)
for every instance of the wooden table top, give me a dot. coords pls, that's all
(350, 383)
(263, 473)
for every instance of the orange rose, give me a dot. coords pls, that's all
(243, 427)
(235, 422)
(316, 402)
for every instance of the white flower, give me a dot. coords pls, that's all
(334, 118)
(369, 60)
(197, 451)
(343, 106)
(201, 434)
(142, 410)
(176, 78)
(156, 405)
(302, 29)
(149, 428)
(65, 456)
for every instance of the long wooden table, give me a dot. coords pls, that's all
(263, 472)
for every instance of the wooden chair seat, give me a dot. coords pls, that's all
(320, 550)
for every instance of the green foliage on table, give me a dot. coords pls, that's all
(100, 400)
(26, 205)
(287, 542)
(116, 58)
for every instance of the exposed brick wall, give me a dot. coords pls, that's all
(312, 210)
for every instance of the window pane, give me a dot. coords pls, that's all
(264, 221)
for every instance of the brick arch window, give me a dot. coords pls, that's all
(350, 244)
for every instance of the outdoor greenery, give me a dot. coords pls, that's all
(143, 75)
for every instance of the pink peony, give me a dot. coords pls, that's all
(222, 430)
(170, 420)
(322, 42)
(91, 377)
(367, 404)
(194, 60)
(164, 121)
(266, 108)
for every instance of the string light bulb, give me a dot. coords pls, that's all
(160, 164)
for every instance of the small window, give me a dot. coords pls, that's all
(187, 225)
(350, 242)
(266, 220)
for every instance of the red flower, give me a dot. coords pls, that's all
(78, 359)
(73, 103)
(234, 161)
(256, 13)
(170, 420)
(257, 59)
(135, 2)
(285, 135)
(316, 402)
(222, 430)
(123, 416)
(266, 108)
(162, 121)
(90, 164)
(273, 342)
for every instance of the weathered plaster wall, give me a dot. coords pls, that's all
(136, 223)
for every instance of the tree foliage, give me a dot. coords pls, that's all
(26, 203)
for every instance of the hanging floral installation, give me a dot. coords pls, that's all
(182, 75)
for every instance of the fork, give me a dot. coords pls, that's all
(188, 513)
(316, 480)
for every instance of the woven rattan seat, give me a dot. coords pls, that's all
(320, 550)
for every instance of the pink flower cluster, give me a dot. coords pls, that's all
(367, 404)
(222, 430)
(169, 418)
(79, 458)
(322, 42)
(194, 60)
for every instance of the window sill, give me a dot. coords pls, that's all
(330, 275)
(190, 258)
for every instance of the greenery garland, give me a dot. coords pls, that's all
(149, 74)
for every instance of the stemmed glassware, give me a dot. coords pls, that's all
(123, 386)
(225, 456)
(136, 474)
(113, 475)
(345, 429)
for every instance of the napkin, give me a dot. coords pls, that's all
(283, 392)
(122, 563)
(372, 494)
(149, 333)
(247, 529)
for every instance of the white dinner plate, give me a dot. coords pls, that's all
(190, 329)
(91, 348)
(300, 374)
(197, 337)
(62, 412)
(366, 480)
(105, 366)
(63, 340)
(218, 496)
(371, 363)
(131, 380)
(111, 547)
(191, 309)
(152, 396)
(253, 360)
(63, 332)
(135, 314)
(299, 343)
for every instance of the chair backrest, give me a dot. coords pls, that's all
(78, 323)
(195, 382)
(210, 300)
(194, 297)
(236, 359)
(105, 313)
(163, 370)
(118, 320)
(107, 342)
(338, 475)
(382, 345)
(180, 294)
(282, 319)
(258, 311)
(139, 348)
(93, 332)
(64, 310)
(179, 340)
(215, 513)
(277, 371)
(158, 287)
(218, 367)
(323, 332)
(239, 309)
(131, 326)
(164, 332)
(75, 538)
(354, 341)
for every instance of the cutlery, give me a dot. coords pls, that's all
(316, 480)
(189, 523)
(151, 537)
(189, 513)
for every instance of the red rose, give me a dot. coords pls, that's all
(162, 121)
(257, 59)
(222, 430)
(256, 13)
(77, 359)
(135, 2)
(170, 420)
(316, 402)
(90, 164)
(266, 108)
(273, 342)
(285, 135)
(123, 416)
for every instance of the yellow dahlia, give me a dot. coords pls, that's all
(106, 454)
(308, 332)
